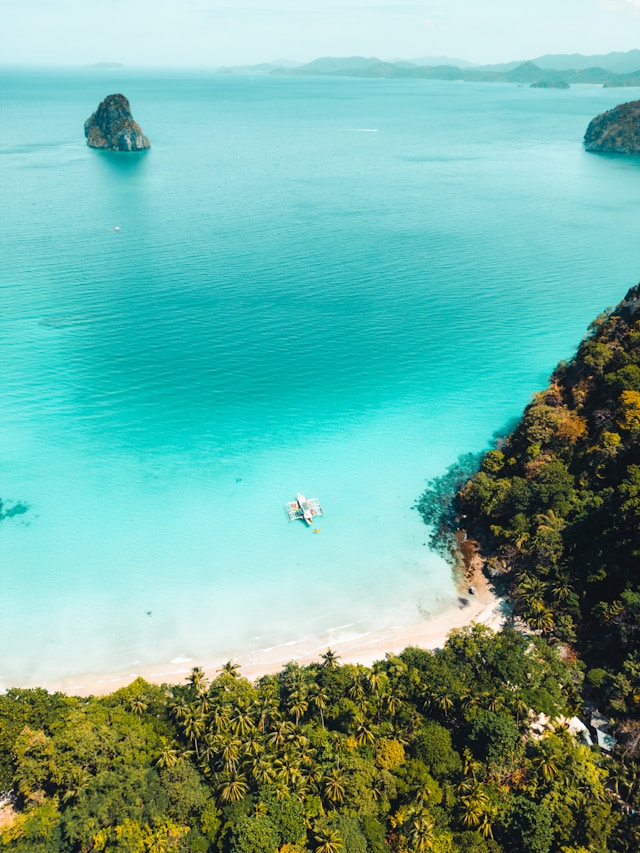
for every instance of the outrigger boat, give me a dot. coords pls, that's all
(304, 508)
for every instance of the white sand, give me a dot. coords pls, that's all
(482, 607)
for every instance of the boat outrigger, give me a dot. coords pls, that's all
(304, 508)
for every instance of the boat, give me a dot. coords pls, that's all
(303, 508)
(303, 503)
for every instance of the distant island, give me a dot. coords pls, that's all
(550, 84)
(614, 69)
(112, 127)
(615, 132)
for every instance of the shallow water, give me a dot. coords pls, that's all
(333, 286)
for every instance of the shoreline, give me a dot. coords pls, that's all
(483, 606)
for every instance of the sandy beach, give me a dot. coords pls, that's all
(482, 606)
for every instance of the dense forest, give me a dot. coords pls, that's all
(426, 751)
(556, 507)
(472, 748)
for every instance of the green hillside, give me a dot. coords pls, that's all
(557, 507)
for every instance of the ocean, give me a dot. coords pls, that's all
(331, 286)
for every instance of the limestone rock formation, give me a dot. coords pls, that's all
(112, 127)
(616, 131)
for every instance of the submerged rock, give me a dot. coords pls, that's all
(112, 127)
(616, 131)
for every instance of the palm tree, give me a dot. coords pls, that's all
(220, 717)
(281, 790)
(263, 770)
(299, 744)
(485, 827)
(494, 701)
(625, 780)
(293, 677)
(355, 689)
(334, 786)
(474, 805)
(423, 796)
(363, 734)
(531, 585)
(281, 733)
(521, 539)
(550, 522)
(287, 769)
(562, 589)
(311, 774)
(229, 669)
(531, 596)
(208, 752)
(138, 706)
(541, 619)
(471, 766)
(377, 681)
(319, 697)
(197, 678)
(234, 788)
(168, 756)
(252, 746)
(328, 841)
(78, 783)
(298, 704)
(546, 763)
(241, 722)
(329, 660)
(377, 685)
(631, 779)
(378, 787)
(266, 713)
(520, 707)
(468, 701)
(421, 832)
(229, 748)
(396, 668)
(392, 700)
(444, 702)
(179, 708)
(203, 702)
(299, 787)
(194, 725)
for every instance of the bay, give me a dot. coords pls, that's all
(326, 285)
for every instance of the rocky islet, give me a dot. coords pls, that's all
(113, 128)
(615, 132)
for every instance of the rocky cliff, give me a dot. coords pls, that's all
(616, 131)
(112, 127)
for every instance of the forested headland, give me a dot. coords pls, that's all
(465, 749)
(556, 508)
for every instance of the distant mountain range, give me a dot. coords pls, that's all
(612, 69)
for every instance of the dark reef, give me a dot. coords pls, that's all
(616, 131)
(112, 127)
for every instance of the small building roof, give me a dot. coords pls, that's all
(579, 730)
(599, 721)
(605, 740)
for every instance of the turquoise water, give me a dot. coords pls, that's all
(333, 286)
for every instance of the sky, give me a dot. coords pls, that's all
(211, 33)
